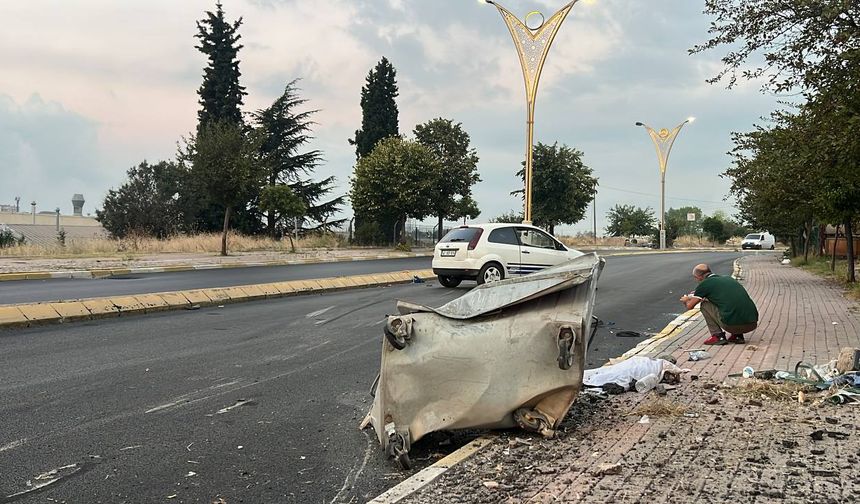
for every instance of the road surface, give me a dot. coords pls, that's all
(253, 402)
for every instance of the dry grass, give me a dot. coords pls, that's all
(660, 407)
(200, 243)
(766, 389)
(821, 266)
(588, 241)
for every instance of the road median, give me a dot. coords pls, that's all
(58, 312)
(108, 272)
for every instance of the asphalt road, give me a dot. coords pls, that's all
(253, 402)
(73, 288)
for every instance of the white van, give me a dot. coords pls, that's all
(759, 241)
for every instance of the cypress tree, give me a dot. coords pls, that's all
(378, 108)
(220, 94)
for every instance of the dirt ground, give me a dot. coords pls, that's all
(719, 445)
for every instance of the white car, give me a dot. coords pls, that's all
(491, 252)
(758, 241)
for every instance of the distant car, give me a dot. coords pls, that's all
(758, 241)
(491, 252)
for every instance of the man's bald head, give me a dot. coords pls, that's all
(701, 271)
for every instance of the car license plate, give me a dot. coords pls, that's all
(449, 253)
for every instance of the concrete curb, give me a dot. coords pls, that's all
(427, 475)
(33, 314)
(106, 272)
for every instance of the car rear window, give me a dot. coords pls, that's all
(753, 237)
(460, 235)
(504, 235)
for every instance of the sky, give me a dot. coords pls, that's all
(91, 88)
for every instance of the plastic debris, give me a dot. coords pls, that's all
(748, 372)
(697, 355)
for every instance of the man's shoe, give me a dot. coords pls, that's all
(736, 338)
(716, 339)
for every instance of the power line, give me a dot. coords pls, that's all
(601, 186)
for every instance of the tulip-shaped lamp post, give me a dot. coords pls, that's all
(532, 39)
(663, 141)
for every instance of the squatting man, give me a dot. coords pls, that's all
(725, 304)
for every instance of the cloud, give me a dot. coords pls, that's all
(119, 83)
(47, 153)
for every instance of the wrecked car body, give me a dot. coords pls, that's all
(504, 354)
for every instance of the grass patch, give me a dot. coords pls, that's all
(207, 243)
(821, 266)
(660, 407)
(766, 389)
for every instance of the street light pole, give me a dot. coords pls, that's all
(663, 141)
(532, 40)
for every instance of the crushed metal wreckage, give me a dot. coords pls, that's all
(504, 354)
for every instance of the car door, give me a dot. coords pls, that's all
(538, 250)
(504, 243)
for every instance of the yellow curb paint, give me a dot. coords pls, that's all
(120, 271)
(127, 304)
(218, 296)
(38, 276)
(100, 273)
(237, 293)
(429, 474)
(100, 307)
(152, 302)
(11, 316)
(40, 313)
(197, 297)
(25, 314)
(8, 277)
(269, 290)
(71, 310)
(173, 269)
(252, 292)
(287, 288)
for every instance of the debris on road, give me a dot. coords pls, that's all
(489, 358)
(608, 470)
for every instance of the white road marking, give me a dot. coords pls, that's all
(13, 445)
(318, 312)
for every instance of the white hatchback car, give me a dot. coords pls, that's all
(490, 252)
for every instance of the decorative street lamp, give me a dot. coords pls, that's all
(532, 39)
(663, 141)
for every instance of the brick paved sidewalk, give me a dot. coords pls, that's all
(720, 446)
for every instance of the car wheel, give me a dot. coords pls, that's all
(771, 247)
(449, 281)
(491, 272)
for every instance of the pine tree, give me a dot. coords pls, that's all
(220, 94)
(378, 108)
(283, 132)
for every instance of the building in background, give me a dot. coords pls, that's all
(42, 227)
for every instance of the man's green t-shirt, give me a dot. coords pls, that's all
(735, 305)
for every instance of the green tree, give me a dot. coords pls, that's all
(678, 225)
(457, 168)
(280, 200)
(224, 168)
(379, 116)
(220, 94)
(392, 183)
(715, 229)
(562, 186)
(509, 217)
(465, 208)
(283, 133)
(147, 203)
(628, 220)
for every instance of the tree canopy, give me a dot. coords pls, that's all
(147, 203)
(221, 94)
(392, 183)
(629, 220)
(562, 186)
(457, 169)
(379, 115)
